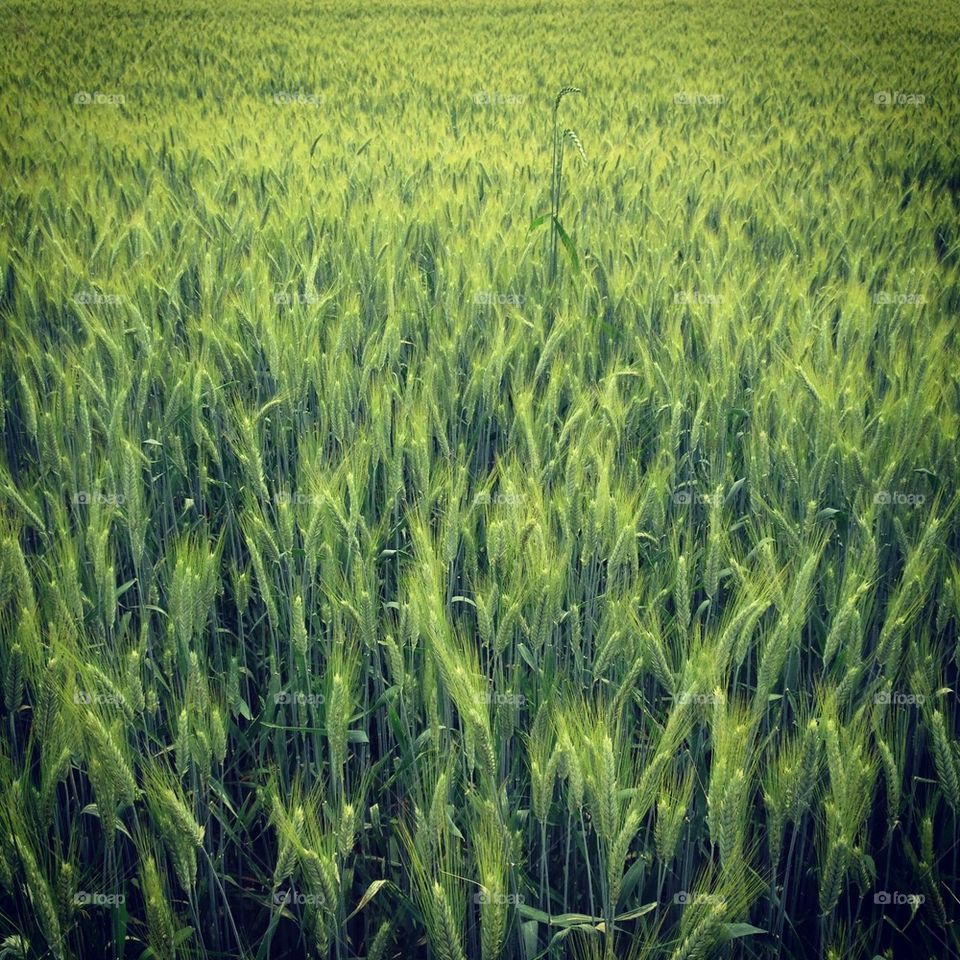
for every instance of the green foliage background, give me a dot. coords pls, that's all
(367, 591)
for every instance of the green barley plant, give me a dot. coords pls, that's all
(561, 136)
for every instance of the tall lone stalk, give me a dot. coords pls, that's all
(556, 179)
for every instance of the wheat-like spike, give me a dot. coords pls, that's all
(681, 594)
(945, 760)
(617, 855)
(338, 718)
(108, 748)
(42, 899)
(311, 866)
(381, 941)
(572, 137)
(697, 944)
(892, 782)
(218, 735)
(832, 874)
(564, 92)
(159, 916)
(446, 937)
(298, 627)
(13, 679)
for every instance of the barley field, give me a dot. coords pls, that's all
(479, 480)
